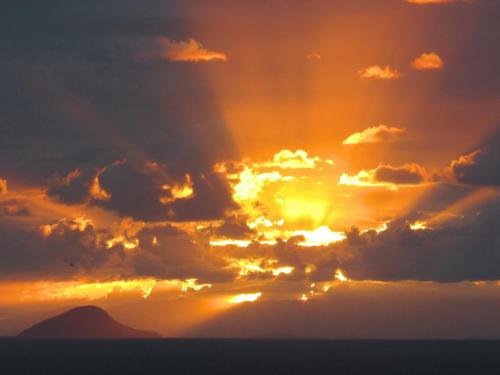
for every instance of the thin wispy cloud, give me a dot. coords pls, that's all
(189, 50)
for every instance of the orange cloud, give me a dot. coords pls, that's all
(428, 61)
(178, 191)
(466, 160)
(312, 57)
(189, 50)
(374, 134)
(287, 159)
(3, 187)
(377, 72)
(97, 192)
(423, 2)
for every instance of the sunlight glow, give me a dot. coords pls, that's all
(262, 265)
(321, 236)
(418, 225)
(89, 291)
(183, 191)
(339, 275)
(245, 297)
(122, 240)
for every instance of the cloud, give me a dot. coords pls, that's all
(314, 57)
(467, 248)
(287, 159)
(464, 248)
(166, 252)
(113, 49)
(73, 188)
(3, 187)
(49, 252)
(11, 206)
(423, 2)
(428, 61)
(234, 228)
(145, 191)
(375, 134)
(14, 207)
(388, 176)
(135, 190)
(480, 167)
(211, 200)
(162, 48)
(377, 72)
(74, 249)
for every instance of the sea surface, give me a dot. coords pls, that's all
(252, 356)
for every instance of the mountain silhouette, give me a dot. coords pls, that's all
(85, 322)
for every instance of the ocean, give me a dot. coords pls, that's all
(247, 356)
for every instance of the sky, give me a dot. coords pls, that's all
(253, 168)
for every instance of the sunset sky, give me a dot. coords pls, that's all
(291, 168)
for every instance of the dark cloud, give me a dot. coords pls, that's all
(81, 91)
(168, 253)
(14, 207)
(390, 176)
(115, 49)
(234, 227)
(464, 248)
(408, 174)
(10, 206)
(73, 188)
(211, 200)
(143, 190)
(74, 248)
(67, 250)
(480, 167)
(135, 190)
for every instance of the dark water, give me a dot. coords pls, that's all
(248, 357)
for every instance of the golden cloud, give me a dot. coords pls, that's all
(377, 72)
(374, 134)
(178, 191)
(190, 50)
(3, 187)
(126, 234)
(466, 160)
(96, 191)
(287, 159)
(428, 61)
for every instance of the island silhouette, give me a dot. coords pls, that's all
(84, 322)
